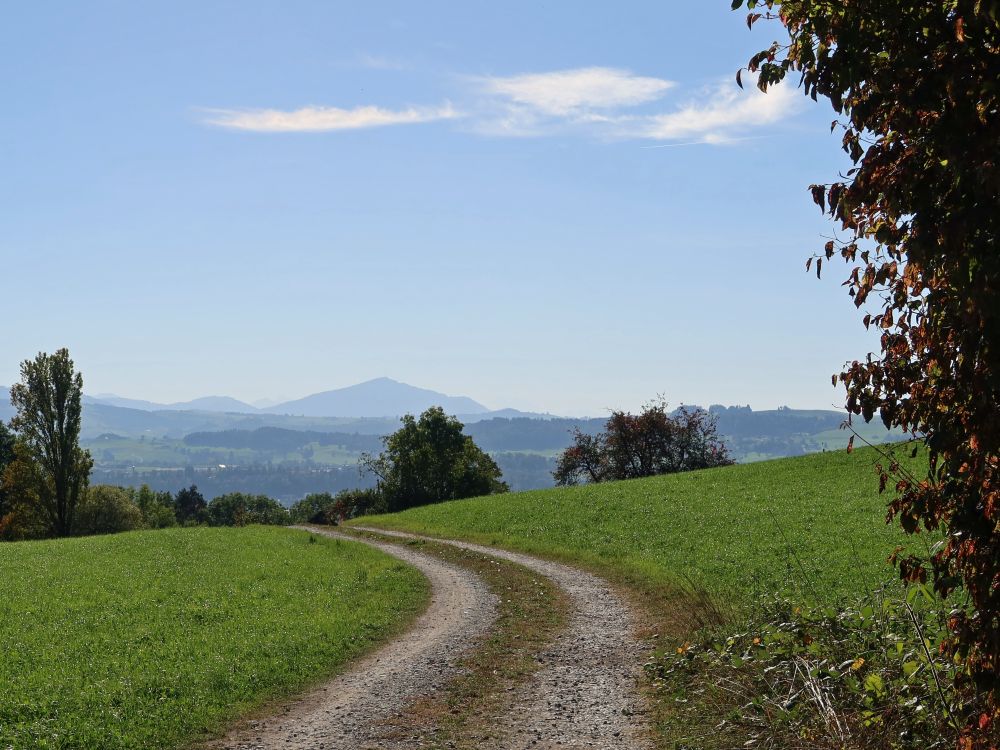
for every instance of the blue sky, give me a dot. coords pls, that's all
(555, 206)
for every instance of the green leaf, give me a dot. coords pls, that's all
(874, 684)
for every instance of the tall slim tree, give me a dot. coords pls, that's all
(51, 466)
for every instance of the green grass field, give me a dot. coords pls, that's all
(811, 527)
(149, 639)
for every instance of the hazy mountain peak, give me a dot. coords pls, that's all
(213, 403)
(379, 397)
(263, 403)
(376, 398)
(204, 403)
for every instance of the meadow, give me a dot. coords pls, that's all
(812, 528)
(154, 639)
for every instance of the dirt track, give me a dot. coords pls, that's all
(584, 694)
(351, 710)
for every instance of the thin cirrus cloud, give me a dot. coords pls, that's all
(595, 102)
(720, 116)
(568, 92)
(321, 119)
(602, 102)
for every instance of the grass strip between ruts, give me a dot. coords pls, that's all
(531, 611)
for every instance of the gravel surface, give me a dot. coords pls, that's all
(354, 710)
(585, 693)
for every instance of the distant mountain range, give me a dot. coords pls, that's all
(372, 407)
(206, 403)
(381, 397)
(289, 449)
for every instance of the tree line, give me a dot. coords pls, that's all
(44, 473)
(284, 483)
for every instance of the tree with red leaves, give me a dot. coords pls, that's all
(917, 87)
(644, 445)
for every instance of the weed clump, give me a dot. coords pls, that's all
(871, 675)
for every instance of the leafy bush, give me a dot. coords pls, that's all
(322, 507)
(106, 510)
(22, 519)
(353, 503)
(239, 509)
(647, 444)
(313, 508)
(868, 676)
(157, 508)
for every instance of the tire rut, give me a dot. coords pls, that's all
(354, 710)
(586, 691)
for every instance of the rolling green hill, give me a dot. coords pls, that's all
(812, 527)
(147, 639)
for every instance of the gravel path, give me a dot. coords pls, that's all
(352, 710)
(585, 693)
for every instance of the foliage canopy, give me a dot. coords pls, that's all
(105, 509)
(647, 444)
(7, 443)
(429, 460)
(240, 509)
(50, 470)
(190, 506)
(917, 85)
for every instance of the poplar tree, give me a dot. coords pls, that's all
(50, 468)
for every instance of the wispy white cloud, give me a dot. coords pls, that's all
(603, 103)
(571, 92)
(320, 119)
(613, 104)
(710, 140)
(718, 117)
